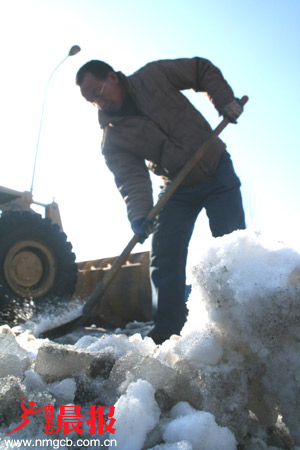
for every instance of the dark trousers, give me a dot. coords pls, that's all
(221, 198)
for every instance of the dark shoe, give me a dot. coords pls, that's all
(157, 337)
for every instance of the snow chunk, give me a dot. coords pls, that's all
(118, 345)
(200, 348)
(136, 414)
(248, 263)
(64, 390)
(181, 409)
(200, 429)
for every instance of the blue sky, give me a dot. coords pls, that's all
(255, 44)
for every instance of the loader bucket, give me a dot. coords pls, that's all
(126, 299)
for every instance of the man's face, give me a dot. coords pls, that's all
(106, 94)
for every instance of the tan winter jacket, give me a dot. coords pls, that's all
(169, 131)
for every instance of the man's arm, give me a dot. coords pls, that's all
(133, 182)
(201, 75)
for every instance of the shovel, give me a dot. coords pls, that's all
(96, 296)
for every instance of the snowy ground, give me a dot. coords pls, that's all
(230, 381)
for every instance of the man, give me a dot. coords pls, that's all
(145, 116)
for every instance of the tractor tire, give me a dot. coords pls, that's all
(36, 262)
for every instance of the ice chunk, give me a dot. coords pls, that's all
(28, 342)
(133, 367)
(164, 399)
(221, 390)
(136, 414)
(11, 393)
(13, 359)
(92, 391)
(101, 365)
(55, 362)
(187, 385)
(200, 429)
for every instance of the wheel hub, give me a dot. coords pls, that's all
(30, 268)
(27, 268)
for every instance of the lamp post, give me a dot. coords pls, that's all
(73, 51)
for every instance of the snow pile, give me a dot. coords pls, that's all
(250, 288)
(251, 291)
(226, 380)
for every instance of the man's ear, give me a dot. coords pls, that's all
(113, 77)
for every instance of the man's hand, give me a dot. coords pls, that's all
(233, 110)
(143, 227)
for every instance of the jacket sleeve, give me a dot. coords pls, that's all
(198, 74)
(132, 180)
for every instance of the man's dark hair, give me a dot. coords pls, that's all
(99, 69)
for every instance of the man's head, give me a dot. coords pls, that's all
(100, 85)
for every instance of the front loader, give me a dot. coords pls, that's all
(37, 265)
(36, 261)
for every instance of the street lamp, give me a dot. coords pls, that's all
(73, 51)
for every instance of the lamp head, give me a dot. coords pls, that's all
(74, 50)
